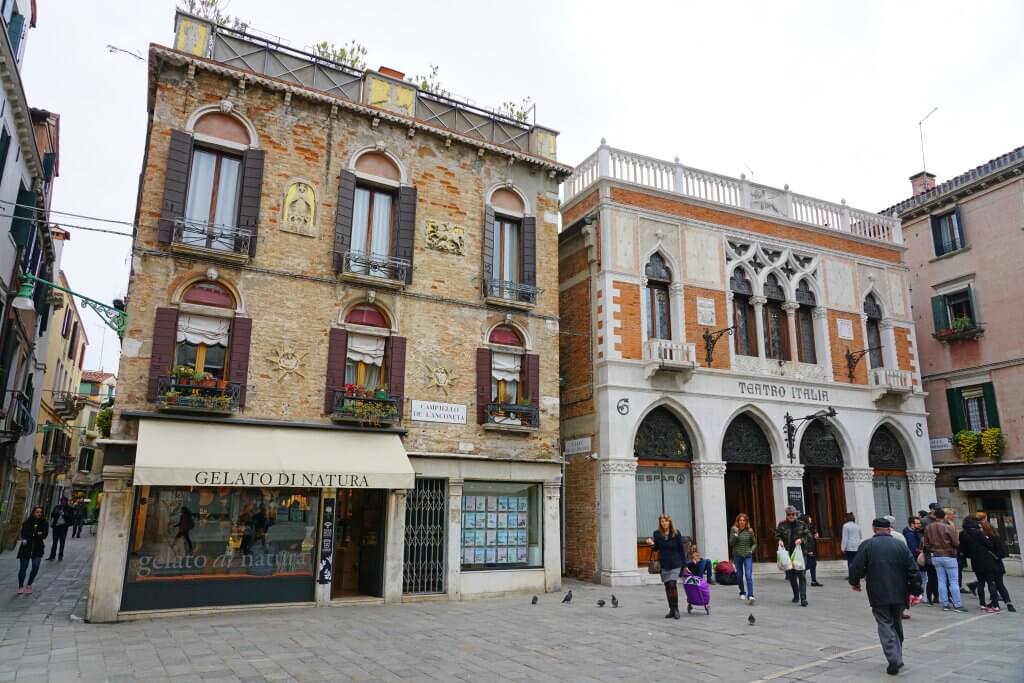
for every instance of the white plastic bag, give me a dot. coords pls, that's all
(785, 563)
(798, 560)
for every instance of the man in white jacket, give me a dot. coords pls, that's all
(851, 538)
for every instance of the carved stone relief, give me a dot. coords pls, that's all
(446, 237)
(921, 477)
(627, 467)
(859, 474)
(300, 209)
(714, 470)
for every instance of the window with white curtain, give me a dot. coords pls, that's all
(506, 369)
(371, 231)
(364, 365)
(212, 204)
(202, 344)
(505, 261)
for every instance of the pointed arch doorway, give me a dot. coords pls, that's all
(663, 481)
(824, 493)
(748, 481)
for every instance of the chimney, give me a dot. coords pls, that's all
(394, 73)
(922, 182)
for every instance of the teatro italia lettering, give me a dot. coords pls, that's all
(780, 391)
(292, 479)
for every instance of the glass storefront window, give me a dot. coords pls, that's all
(663, 490)
(892, 497)
(501, 526)
(222, 533)
(1000, 515)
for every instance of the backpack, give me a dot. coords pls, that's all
(725, 567)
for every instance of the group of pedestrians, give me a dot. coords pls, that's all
(34, 532)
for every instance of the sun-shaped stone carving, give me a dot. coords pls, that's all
(287, 362)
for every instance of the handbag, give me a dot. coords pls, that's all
(922, 559)
(654, 565)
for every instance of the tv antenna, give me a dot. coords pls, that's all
(920, 131)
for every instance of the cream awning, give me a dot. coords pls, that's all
(1007, 484)
(172, 453)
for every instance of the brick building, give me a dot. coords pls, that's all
(697, 311)
(339, 377)
(963, 243)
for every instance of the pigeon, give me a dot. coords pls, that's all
(751, 620)
(534, 601)
(600, 603)
(615, 601)
(568, 598)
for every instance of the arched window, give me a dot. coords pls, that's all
(873, 312)
(211, 205)
(202, 341)
(663, 482)
(364, 361)
(506, 235)
(776, 327)
(656, 301)
(805, 323)
(373, 214)
(506, 365)
(745, 332)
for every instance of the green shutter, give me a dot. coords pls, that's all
(24, 217)
(940, 313)
(975, 318)
(991, 412)
(960, 227)
(936, 236)
(957, 421)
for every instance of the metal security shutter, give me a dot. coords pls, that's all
(424, 566)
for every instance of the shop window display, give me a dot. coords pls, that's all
(501, 526)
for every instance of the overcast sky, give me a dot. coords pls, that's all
(825, 96)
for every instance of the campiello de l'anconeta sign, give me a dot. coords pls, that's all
(768, 390)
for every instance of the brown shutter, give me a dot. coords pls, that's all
(488, 245)
(405, 233)
(337, 352)
(531, 372)
(238, 351)
(161, 355)
(179, 158)
(249, 195)
(483, 383)
(528, 252)
(396, 371)
(343, 218)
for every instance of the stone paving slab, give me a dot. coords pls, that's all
(504, 639)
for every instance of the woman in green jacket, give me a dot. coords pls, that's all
(741, 547)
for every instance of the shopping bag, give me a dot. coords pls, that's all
(798, 560)
(785, 563)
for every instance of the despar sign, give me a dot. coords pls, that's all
(291, 479)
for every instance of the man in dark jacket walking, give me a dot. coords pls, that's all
(60, 520)
(792, 533)
(891, 574)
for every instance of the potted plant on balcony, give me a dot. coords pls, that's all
(171, 397)
(222, 402)
(349, 390)
(381, 391)
(183, 374)
(962, 323)
(966, 442)
(992, 443)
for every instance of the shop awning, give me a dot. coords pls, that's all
(1007, 484)
(172, 453)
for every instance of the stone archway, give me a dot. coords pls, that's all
(664, 484)
(747, 454)
(824, 492)
(889, 464)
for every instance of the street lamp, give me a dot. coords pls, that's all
(790, 427)
(710, 339)
(114, 316)
(853, 358)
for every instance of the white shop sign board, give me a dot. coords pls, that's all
(576, 446)
(435, 411)
(706, 312)
(942, 444)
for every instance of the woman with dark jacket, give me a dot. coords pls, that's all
(811, 550)
(978, 548)
(999, 550)
(33, 537)
(671, 549)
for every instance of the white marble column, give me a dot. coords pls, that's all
(1015, 567)
(783, 477)
(618, 523)
(888, 334)
(113, 531)
(678, 311)
(860, 495)
(711, 528)
(822, 340)
(552, 536)
(394, 550)
(453, 580)
(922, 489)
(790, 307)
(731, 339)
(758, 303)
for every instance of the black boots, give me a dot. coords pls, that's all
(672, 595)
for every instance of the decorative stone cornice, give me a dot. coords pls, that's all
(790, 306)
(553, 489)
(787, 471)
(859, 474)
(708, 470)
(921, 477)
(620, 467)
(759, 300)
(819, 313)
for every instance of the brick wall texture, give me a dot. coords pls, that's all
(720, 359)
(581, 542)
(627, 320)
(839, 346)
(904, 351)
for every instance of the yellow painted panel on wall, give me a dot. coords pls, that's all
(392, 96)
(192, 36)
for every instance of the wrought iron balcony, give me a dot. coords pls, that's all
(67, 404)
(512, 416)
(183, 396)
(670, 356)
(56, 462)
(369, 412)
(213, 241)
(375, 267)
(513, 293)
(965, 333)
(19, 418)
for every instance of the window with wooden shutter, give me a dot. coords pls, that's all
(940, 314)
(343, 219)
(947, 232)
(955, 402)
(238, 352)
(405, 232)
(161, 358)
(528, 260)
(488, 248)
(988, 393)
(179, 159)
(396, 372)
(531, 372)
(337, 350)
(483, 383)
(249, 198)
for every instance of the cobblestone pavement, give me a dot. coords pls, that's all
(504, 639)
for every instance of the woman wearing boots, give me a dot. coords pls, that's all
(33, 535)
(668, 543)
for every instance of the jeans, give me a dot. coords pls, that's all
(23, 562)
(924, 581)
(812, 567)
(701, 568)
(60, 535)
(949, 585)
(744, 567)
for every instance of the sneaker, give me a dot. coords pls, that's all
(893, 669)
(816, 584)
(803, 603)
(743, 596)
(1009, 607)
(21, 589)
(796, 598)
(947, 608)
(987, 609)
(28, 589)
(751, 601)
(994, 608)
(961, 610)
